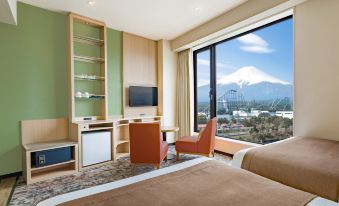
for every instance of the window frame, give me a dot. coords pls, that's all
(212, 50)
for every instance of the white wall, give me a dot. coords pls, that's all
(317, 69)
(243, 15)
(167, 69)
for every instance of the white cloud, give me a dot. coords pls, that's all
(252, 39)
(257, 49)
(255, 44)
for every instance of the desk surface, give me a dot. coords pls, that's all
(169, 129)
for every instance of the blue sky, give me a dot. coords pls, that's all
(269, 49)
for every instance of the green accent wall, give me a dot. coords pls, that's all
(114, 71)
(33, 80)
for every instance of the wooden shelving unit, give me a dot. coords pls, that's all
(41, 135)
(87, 45)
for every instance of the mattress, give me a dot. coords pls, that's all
(76, 195)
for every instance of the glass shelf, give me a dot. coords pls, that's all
(92, 96)
(89, 59)
(89, 78)
(88, 40)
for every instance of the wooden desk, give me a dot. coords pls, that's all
(165, 129)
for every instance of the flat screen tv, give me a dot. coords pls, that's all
(143, 96)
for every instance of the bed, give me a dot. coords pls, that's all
(196, 182)
(308, 164)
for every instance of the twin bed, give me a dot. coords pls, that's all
(208, 182)
(308, 164)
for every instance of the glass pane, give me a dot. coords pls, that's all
(203, 88)
(254, 88)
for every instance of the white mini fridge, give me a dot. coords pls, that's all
(96, 148)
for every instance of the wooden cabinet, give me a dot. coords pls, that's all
(119, 129)
(42, 135)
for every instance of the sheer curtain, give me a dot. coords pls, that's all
(183, 92)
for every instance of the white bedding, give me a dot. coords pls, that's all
(239, 156)
(120, 183)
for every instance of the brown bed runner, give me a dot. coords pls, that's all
(307, 164)
(208, 183)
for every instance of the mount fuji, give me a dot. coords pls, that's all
(252, 83)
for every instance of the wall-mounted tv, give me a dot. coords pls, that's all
(143, 96)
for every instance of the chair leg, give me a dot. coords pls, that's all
(213, 153)
(133, 169)
(177, 156)
(157, 166)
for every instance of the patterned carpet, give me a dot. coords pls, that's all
(34, 193)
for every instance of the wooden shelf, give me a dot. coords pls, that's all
(88, 40)
(62, 171)
(121, 154)
(95, 122)
(99, 128)
(89, 59)
(49, 166)
(123, 125)
(119, 142)
(48, 145)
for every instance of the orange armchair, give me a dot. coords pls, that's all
(201, 145)
(146, 145)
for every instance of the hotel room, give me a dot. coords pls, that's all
(219, 102)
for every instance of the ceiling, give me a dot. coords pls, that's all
(154, 19)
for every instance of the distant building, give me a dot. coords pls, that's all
(255, 113)
(240, 113)
(284, 114)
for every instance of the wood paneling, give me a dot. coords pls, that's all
(140, 69)
(33, 131)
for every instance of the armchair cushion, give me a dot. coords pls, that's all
(187, 144)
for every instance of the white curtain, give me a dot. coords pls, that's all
(183, 92)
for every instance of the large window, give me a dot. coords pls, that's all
(247, 83)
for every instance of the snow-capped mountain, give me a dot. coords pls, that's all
(252, 83)
(248, 76)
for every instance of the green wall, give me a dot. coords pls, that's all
(33, 80)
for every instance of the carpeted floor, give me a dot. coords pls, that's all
(34, 193)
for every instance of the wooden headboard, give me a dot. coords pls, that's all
(43, 130)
